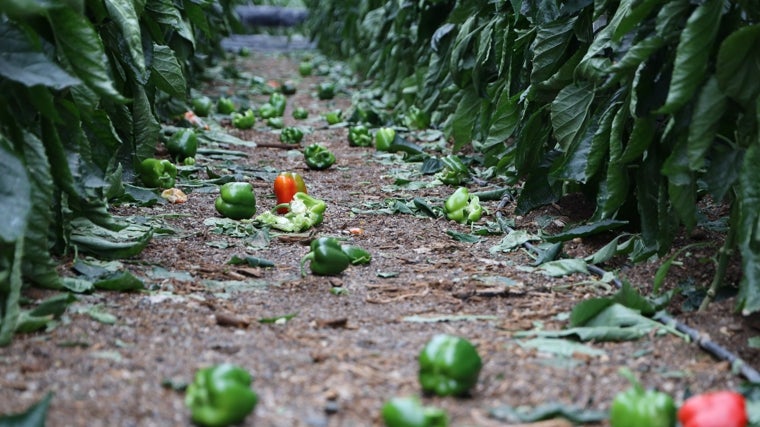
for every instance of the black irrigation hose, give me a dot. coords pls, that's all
(714, 349)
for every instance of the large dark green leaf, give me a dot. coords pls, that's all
(145, 129)
(549, 47)
(616, 183)
(642, 135)
(481, 73)
(9, 299)
(123, 14)
(637, 54)
(723, 170)
(705, 120)
(681, 183)
(20, 61)
(570, 112)
(748, 231)
(739, 65)
(83, 50)
(634, 17)
(15, 202)
(693, 54)
(504, 119)
(596, 62)
(166, 72)
(464, 119)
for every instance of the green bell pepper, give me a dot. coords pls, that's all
(300, 113)
(236, 200)
(291, 135)
(639, 407)
(279, 102)
(155, 173)
(326, 257)
(384, 138)
(220, 396)
(267, 111)
(454, 171)
(334, 117)
(461, 206)
(245, 120)
(202, 105)
(359, 136)
(416, 118)
(305, 68)
(318, 157)
(288, 87)
(275, 122)
(225, 106)
(326, 90)
(448, 366)
(182, 145)
(409, 412)
(303, 212)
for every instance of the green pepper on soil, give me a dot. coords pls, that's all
(220, 396)
(448, 366)
(318, 157)
(155, 173)
(326, 257)
(182, 145)
(236, 200)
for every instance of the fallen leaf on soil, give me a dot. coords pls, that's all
(231, 320)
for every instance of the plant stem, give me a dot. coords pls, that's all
(724, 254)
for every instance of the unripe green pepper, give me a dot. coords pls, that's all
(245, 120)
(202, 106)
(326, 257)
(305, 68)
(225, 106)
(333, 117)
(157, 173)
(236, 200)
(463, 207)
(220, 396)
(182, 145)
(267, 111)
(359, 136)
(300, 113)
(318, 157)
(291, 135)
(409, 412)
(326, 90)
(449, 366)
(454, 170)
(384, 138)
(637, 407)
(275, 122)
(279, 102)
(288, 88)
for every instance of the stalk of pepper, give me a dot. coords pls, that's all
(291, 135)
(236, 200)
(286, 185)
(318, 157)
(326, 90)
(245, 120)
(326, 257)
(278, 101)
(409, 412)
(384, 138)
(183, 145)
(303, 213)
(714, 409)
(220, 396)
(300, 113)
(462, 207)
(448, 366)
(637, 407)
(157, 173)
(225, 106)
(359, 136)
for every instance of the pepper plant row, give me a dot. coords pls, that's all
(84, 85)
(645, 106)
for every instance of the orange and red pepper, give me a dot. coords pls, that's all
(714, 409)
(286, 185)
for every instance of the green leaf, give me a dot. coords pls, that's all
(463, 237)
(119, 281)
(166, 72)
(586, 230)
(634, 17)
(548, 411)
(145, 128)
(705, 120)
(738, 65)
(549, 47)
(11, 292)
(692, 54)
(108, 244)
(636, 55)
(15, 200)
(80, 45)
(641, 137)
(748, 229)
(504, 119)
(123, 14)
(588, 309)
(662, 271)
(35, 416)
(513, 240)
(570, 112)
(250, 261)
(563, 267)
(560, 347)
(278, 319)
(464, 119)
(631, 298)
(20, 61)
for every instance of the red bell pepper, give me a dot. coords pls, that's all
(714, 409)
(286, 185)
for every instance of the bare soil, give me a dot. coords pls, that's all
(341, 356)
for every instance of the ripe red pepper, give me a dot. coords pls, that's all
(286, 185)
(714, 409)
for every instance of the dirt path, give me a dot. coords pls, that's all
(334, 357)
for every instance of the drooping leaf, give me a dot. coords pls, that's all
(738, 65)
(563, 267)
(748, 229)
(124, 16)
(692, 54)
(586, 230)
(166, 72)
(34, 416)
(705, 120)
(119, 281)
(15, 201)
(570, 112)
(549, 47)
(504, 119)
(464, 119)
